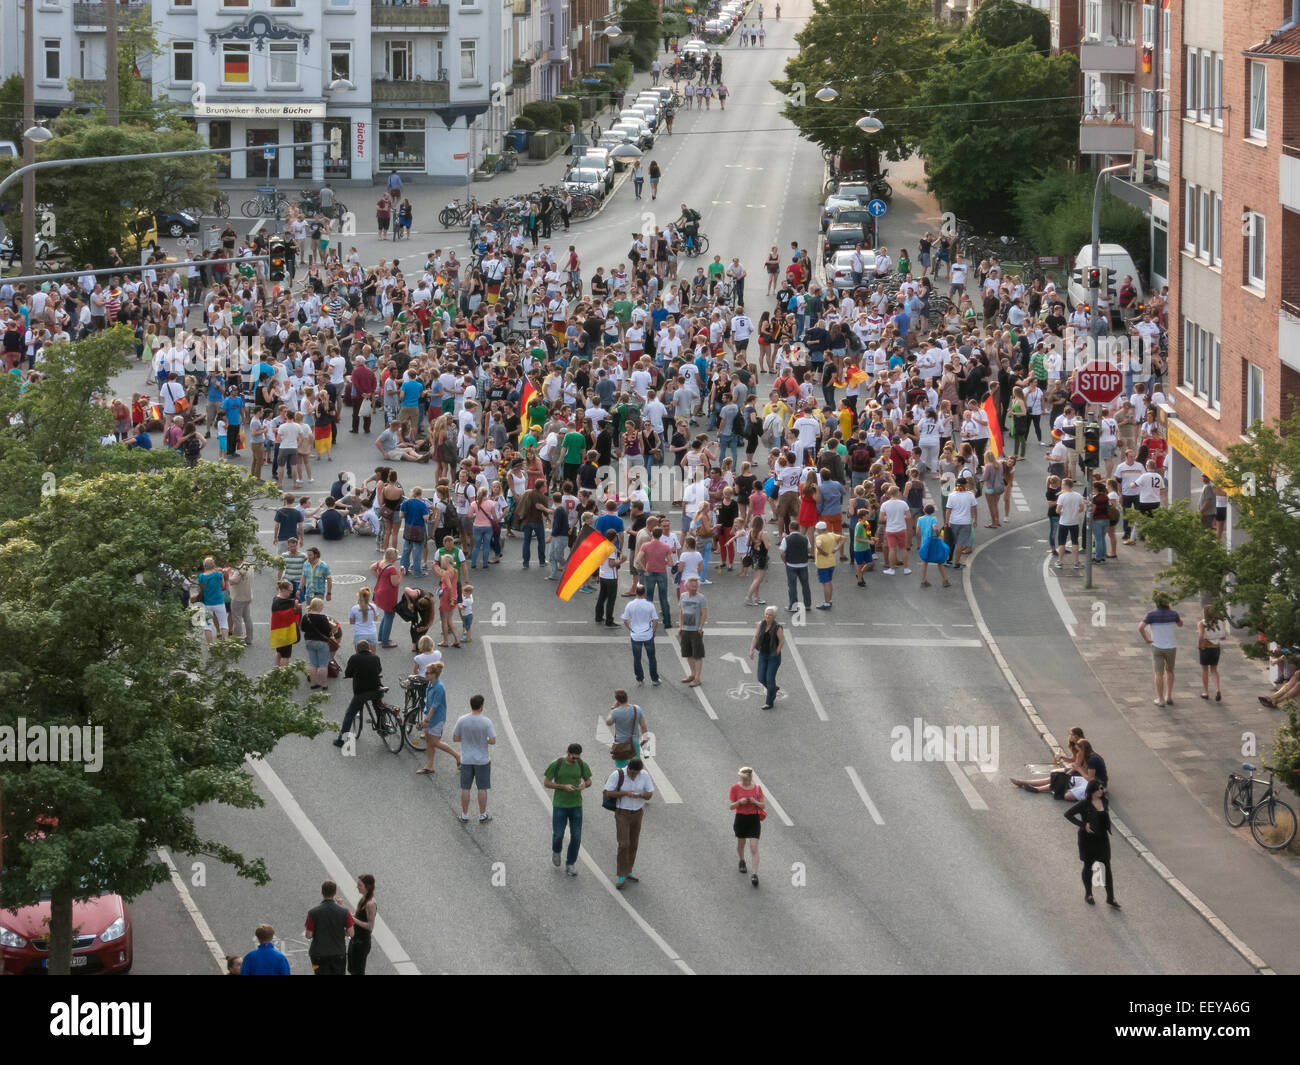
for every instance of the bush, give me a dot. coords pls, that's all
(1054, 213)
(522, 121)
(621, 71)
(545, 113)
(570, 111)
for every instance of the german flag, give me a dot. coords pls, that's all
(995, 428)
(584, 560)
(236, 67)
(284, 625)
(857, 375)
(526, 397)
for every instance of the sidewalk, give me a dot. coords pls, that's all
(1198, 741)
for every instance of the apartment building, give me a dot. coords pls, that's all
(1234, 317)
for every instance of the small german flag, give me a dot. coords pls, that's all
(584, 560)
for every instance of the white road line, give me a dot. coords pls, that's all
(196, 915)
(862, 794)
(777, 808)
(1057, 597)
(338, 872)
(807, 678)
(965, 786)
(886, 641)
(530, 775)
(663, 785)
(699, 688)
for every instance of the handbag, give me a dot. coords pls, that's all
(1112, 513)
(625, 749)
(609, 802)
(181, 405)
(367, 408)
(414, 534)
(333, 668)
(762, 810)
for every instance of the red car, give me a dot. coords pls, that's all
(102, 939)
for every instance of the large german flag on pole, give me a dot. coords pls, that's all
(583, 562)
(995, 428)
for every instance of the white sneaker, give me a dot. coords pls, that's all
(906, 572)
(888, 572)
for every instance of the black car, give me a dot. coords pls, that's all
(841, 235)
(175, 223)
(859, 215)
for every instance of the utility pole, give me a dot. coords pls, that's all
(112, 86)
(29, 146)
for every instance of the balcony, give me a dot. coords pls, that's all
(522, 8)
(558, 54)
(1288, 334)
(1107, 138)
(388, 14)
(91, 16)
(1288, 184)
(410, 93)
(1107, 58)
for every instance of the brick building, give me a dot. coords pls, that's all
(1234, 312)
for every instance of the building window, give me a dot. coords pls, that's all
(1166, 31)
(183, 61)
(1200, 364)
(1148, 110)
(81, 58)
(283, 65)
(340, 60)
(52, 68)
(1206, 86)
(1190, 90)
(1253, 408)
(399, 59)
(1149, 25)
(1127, 15)
(234, 3)
(234, 64)
(1216, 229)
(1189, 356)
(1092, 27)
(1255, 234)
(468, 60)
(1216, 115)
(1203, 224)
(284, 4)
(1189, 216)
(1160, 247)
(401, 144)
(1259, 101)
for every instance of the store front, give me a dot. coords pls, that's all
(336, 169)
(402, 145)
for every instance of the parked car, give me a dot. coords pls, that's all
(176, 223)
(647, 113)
(103, 940)
(839, 270)
(854, 212)
(856, 191)
(586, 180)
(596, 159)
(11, 252)
(842, 235)
(636, 131)
(833, 202)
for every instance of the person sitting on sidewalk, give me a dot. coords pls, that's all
(1062, 772)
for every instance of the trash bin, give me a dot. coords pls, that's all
(518, 139)
(211, 238)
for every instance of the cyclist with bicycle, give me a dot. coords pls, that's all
(689, 223)
(365, 670)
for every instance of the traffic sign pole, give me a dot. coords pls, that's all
(876, 208)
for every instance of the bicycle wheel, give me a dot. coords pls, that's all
(413, 732)
(280, 207)
(1233, 796)
(358, 722)
(884, 190)
(1273, 824)
(444, 218)
(222, 204)
(389, 727)
(251, 208)
(702, 246)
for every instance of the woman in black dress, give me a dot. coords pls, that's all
(363, 924)
(1092, 815)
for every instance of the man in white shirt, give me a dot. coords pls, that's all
(806, 429)
(631, 789)
(957, 278)
(960, 517)
(1150, 486)
(641, 619)
(742, 328)
(1069, 509)
(895, 512)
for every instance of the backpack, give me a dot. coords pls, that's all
(609, 802)
(770, 426)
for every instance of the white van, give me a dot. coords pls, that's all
(1111, 256)
(8, 149)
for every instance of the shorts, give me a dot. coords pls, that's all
(285, 651)
(692, 644)
(747, 826)
(466, 525)
(741, 345)
(1163, 658)
(861, 558)
(435, 730)
(1209, 656)
(1067, 534)
(1107, 449)
(318, 654)
(1220, 513)
(393, 456)
(218, 614)
(469, 774)
(896, 539)
(834, 522)
(963, 535)
(825, 575)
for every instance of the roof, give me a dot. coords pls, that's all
(1278, 45)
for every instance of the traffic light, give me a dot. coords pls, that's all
(1094, 278)
(276, 265)
(1110, 279)
(1092, 445)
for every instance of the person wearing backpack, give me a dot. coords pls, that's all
(568, 777)
(860, 458)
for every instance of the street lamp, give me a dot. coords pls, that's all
(869, 123)
(340, 85)
(38, 133)
(626, 152)
(613, 31)
(826, 94)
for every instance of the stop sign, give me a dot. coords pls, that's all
(1099, 382)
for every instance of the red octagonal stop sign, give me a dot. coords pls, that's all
(1099, 382)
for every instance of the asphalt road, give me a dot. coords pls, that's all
(870, 864)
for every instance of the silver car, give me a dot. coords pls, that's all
(839, 270)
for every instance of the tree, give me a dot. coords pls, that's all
(1054, 213)
(1259, 577)
(873, 55)
(990, 116)
(95, 636)
(1006, 22)
(11, 109)
(639, 21)
(91, 219)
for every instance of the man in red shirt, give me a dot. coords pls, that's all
(362, 387)
(654, 560)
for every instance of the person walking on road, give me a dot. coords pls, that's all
(1092, 816)
(568, 777)
(629, 725)
(363, 921)
(1211, 631)
(631, 788)
(794, 553)
(1157, 631)
(655, 172)
(476, 736)
(329, 927)
(746, 800)
(768, 642)
(641, 619)
(827, 543)
(638, 179)
(694, 613)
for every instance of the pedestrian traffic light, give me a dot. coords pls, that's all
(1094, 278)
(1110, 279)
(1092, 445)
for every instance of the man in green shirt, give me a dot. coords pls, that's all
(622, 308)
(716, 269)
(574, 445)
(568, 777)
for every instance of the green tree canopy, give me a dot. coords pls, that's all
(874, 55)
(1054, 213)
(1006, 22)
(11, 109)
(639, 21)
(992, 115)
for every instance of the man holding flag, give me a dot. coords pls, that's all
(989, 436)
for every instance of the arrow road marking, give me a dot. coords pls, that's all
(729, 657)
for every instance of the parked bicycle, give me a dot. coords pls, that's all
(267, 201)
(221, 205)
(413, 712)
(383, 719)
(309, 204)
(1272, 821)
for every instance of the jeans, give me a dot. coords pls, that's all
(607, 599)
(1052, 522)
(1129, 503)
(482, 542)
(767, 667)
(559, 548)
(738, 290)
(534, 529)
(359, 700)
(649, 647)
(410, 547)
(729, 440)
(659, 581)
(1100, 526)
(386, 626)
(637, 185)
(799, 321)
(800, 574)
(572, 816)
(706, 549)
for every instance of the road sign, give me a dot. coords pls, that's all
(268, 152)
(1100, 382)
(1049, 260)
(877, 208)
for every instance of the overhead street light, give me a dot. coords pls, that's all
(869, 124)
(627, 151)
(38, 133)
(613, 31)
(826, 94)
